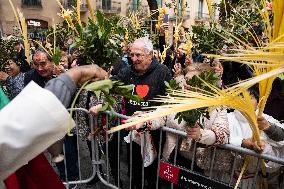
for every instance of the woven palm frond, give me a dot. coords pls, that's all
(23, 29)
(78, 12)
(209, 5)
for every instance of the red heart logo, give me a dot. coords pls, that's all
(142, 90)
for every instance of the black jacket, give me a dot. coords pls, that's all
(234, 72)
(147, 86)
(33, 75)
(120, 64)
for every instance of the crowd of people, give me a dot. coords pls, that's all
(141, 66)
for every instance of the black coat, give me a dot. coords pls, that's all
(147, 86)
(33, 75)
(275, 102)
(234, 72)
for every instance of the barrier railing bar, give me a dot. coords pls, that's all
(107, 148)
(159, 160)
(175, 157)
(234, 148)
(143, 157)
(78, 149)
(252, 153)
(118, 158)
(233, 168)
(212, 162)
(193, 156)
(130, 169)
(105, 182)
(256, 172)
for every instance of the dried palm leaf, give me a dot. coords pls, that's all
(209, 5)
(78, 11)
(66, 14)
(23, 29)
(91, 10)
(15, 14)
(24, 34)
(267, 56)
(164, 53)
(188, 45)
(176, 34)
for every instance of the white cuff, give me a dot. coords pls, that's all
(237, 141)
(207, 137)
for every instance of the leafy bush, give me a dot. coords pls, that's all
(100, 41)
(8, 50)
(193, 116)
(207, 39)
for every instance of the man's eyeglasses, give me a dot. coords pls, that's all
(138, 55)
(40, 64)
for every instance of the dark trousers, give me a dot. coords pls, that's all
(71, 155)
(150, 172)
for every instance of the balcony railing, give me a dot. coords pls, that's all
(73, 3)
(109, 6)
(134, 7)
(31, 3)
(200, 16)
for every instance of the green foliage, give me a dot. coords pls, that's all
(100, 41)
(111, 89)
(137, 32)
(193, 116)
(56, 56)
(242, 20)
(172, 85)
(199, 81)
(245, 20)
(62, 34)
(196, 115)
(206, 39)
(8, 50)
(139, 25)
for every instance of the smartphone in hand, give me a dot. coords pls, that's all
(166, 18)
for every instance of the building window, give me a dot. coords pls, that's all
(135, 5)
(200, 9)
(160, 3)
(71, 3)
(33, 3)
(106, 4)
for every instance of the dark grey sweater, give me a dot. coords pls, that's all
(63, 87)
(275, 133)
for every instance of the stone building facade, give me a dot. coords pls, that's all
(41, 14)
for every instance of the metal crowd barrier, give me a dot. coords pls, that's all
(168, 175)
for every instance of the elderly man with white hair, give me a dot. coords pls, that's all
(148, 76)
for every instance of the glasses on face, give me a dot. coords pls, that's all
(138, 55)
(40, 64)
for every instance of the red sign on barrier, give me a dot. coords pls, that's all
(169, 172)
(188, 179)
